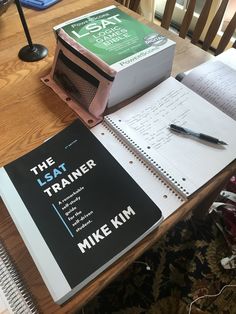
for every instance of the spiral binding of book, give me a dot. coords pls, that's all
(14, 296)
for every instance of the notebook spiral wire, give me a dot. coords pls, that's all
(110, 125)
(17, 295)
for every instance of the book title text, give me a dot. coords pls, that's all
(55, 172)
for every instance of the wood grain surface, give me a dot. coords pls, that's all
(30, 112)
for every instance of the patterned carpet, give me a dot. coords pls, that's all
(183, 266)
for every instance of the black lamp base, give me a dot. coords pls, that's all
(36, 53)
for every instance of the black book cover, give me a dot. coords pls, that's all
(85, 205)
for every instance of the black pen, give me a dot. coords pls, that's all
(201, 136)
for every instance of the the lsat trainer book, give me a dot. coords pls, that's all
(76, 208)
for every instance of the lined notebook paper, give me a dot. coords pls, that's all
(184, 163)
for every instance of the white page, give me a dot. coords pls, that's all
(228, 57)
(191, 162)
(3, 304)
(216, 82)
(161, 194)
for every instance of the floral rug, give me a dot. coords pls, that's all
(183, 266)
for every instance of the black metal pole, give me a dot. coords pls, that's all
(31, 52)
(24, 24)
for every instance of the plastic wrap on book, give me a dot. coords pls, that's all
(80, 79)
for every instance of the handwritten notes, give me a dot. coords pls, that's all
(153, 119)
(216, 82)
(144, 124)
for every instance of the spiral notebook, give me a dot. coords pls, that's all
(169, 167)
(14, 297)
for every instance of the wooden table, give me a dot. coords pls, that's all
(30, 112)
